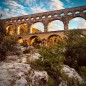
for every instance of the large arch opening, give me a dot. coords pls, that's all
(34, 40)
(53, 39)
(77, 23)
(22, 29)
(37, 28)
(55, 25)
(10, 29)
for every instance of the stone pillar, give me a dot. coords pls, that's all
(29, 25)
(16, 28)
(66, 25)
(45, 27)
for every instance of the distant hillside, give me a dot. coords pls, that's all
(35, 30)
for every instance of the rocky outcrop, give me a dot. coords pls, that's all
(17, 72)
(20, 74)
(24, 58)
(70, 76)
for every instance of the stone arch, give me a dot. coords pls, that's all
(55, 15)
(69, 13)
(22, 29)
(37, 27)
(77, 12)
(53, 39)
(62, 14)
(10, 29)
(34, 39)
(77, 23)
(55, 25)
(84, 11)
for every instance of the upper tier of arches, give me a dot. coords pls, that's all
(45, 18)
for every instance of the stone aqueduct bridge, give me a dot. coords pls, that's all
(64, 15)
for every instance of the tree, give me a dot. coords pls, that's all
(2, 30)
(2, 34)
(75, 49)
(51, 60)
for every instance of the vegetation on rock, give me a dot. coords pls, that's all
(51, 61)
(70, 51)
(75, 53)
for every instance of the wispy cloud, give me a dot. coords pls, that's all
(27, 1)
(6, 13)
(77, 23)
(56, 5)
(38, 9)
(68, 1)
(14, 9)
(13, 5)
(55, 26)
(38, 25)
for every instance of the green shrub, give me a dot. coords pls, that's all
(8, 44)
(20, 60)
(26, 51)
(2, 54)
(82, 71)
(51, 60)
(27, 60)
(75, 52)
(51, 82)
(30, 50)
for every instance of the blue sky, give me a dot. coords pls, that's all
(13, 8)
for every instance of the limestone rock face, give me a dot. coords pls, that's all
(16, 71)
(20, 74)
(70, 75)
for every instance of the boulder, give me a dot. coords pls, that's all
(69, 75)
(20, 74)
